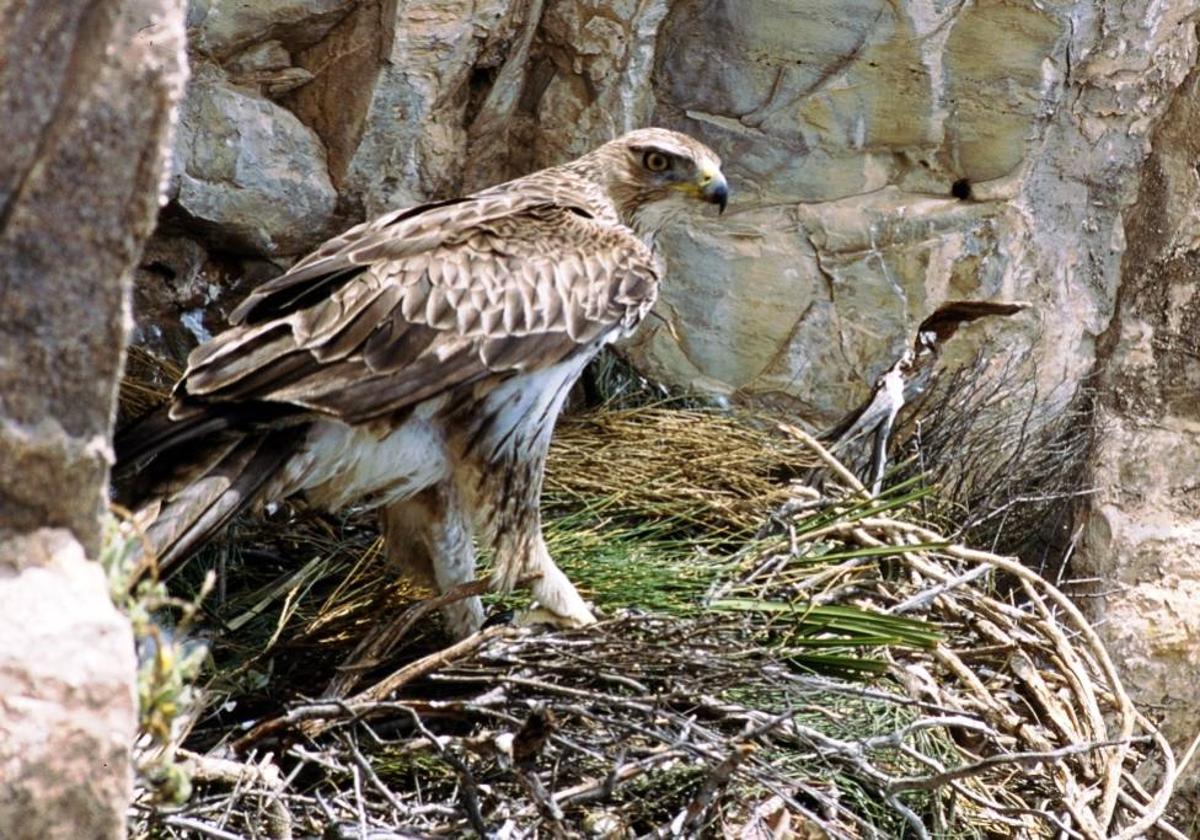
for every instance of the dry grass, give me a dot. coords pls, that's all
(722, 472)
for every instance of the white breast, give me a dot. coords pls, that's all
(343, 465)
(525, 408)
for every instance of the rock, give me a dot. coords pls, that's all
(89, 93)
(220, 28)
(839, 134)
(597, 59)
(175, 296)
(274, 83)
(268, 68)
(806, 312)
(249, 174)
(269, 55)
(69, 710)
(1141, 540)
(399, 136)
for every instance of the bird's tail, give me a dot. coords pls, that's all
(185, 481)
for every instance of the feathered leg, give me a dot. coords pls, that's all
(429, 537)
(521, 554)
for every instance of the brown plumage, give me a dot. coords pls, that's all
(417, 363)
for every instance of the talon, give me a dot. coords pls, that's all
(500, 618)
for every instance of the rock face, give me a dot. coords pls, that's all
(89, 93)
(1143, 524)
(68, 712)
(884, 158)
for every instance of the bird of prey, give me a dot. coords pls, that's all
(906, 380)
(417, 363)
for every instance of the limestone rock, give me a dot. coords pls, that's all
(806, 311)
(249, 174)
(267, 67)
(269, 55)
(68, 712)
(1142, 534)
(401, 136)
(220, 28)
(845, 129)
(89, 94)
(596, 60)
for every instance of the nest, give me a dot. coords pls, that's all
(800, 664)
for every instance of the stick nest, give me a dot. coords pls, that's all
(772, 662)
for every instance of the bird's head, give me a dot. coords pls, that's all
(654, 174)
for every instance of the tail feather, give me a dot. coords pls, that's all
(185, 520)
(186, 478)
(157, 432)
(183, 421)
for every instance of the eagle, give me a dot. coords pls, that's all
(416, 365)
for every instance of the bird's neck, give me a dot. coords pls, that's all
(571, 184)
(618, 197)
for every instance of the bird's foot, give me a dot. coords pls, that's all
(557, 602)
(537, 614)
(463, 617)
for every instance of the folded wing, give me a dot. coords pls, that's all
(417, 303)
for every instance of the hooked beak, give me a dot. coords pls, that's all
(714, 189)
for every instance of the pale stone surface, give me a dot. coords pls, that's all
(222, 27)
(844, 137)
(806, 310)
(250, 175)
(413, 141)
(67, 713)
(1142, 536)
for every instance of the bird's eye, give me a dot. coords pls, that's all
(656, 161)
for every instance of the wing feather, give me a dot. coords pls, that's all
(428, 300)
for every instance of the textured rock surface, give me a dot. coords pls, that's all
(88, 93)
(254, 178)
(222, 28)
(885, 157)
(67, 713)
(1143, 525)
(846, 138)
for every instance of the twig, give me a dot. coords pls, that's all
(377, 643)
(593, 789)
(839, 469)
(470, 789)
(691, 818)
(1021, 759)
(373, 777)
(432, 662)
(204, 828)
(542, 798)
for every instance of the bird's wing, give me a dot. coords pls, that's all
(418, 302)
(948, 317)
